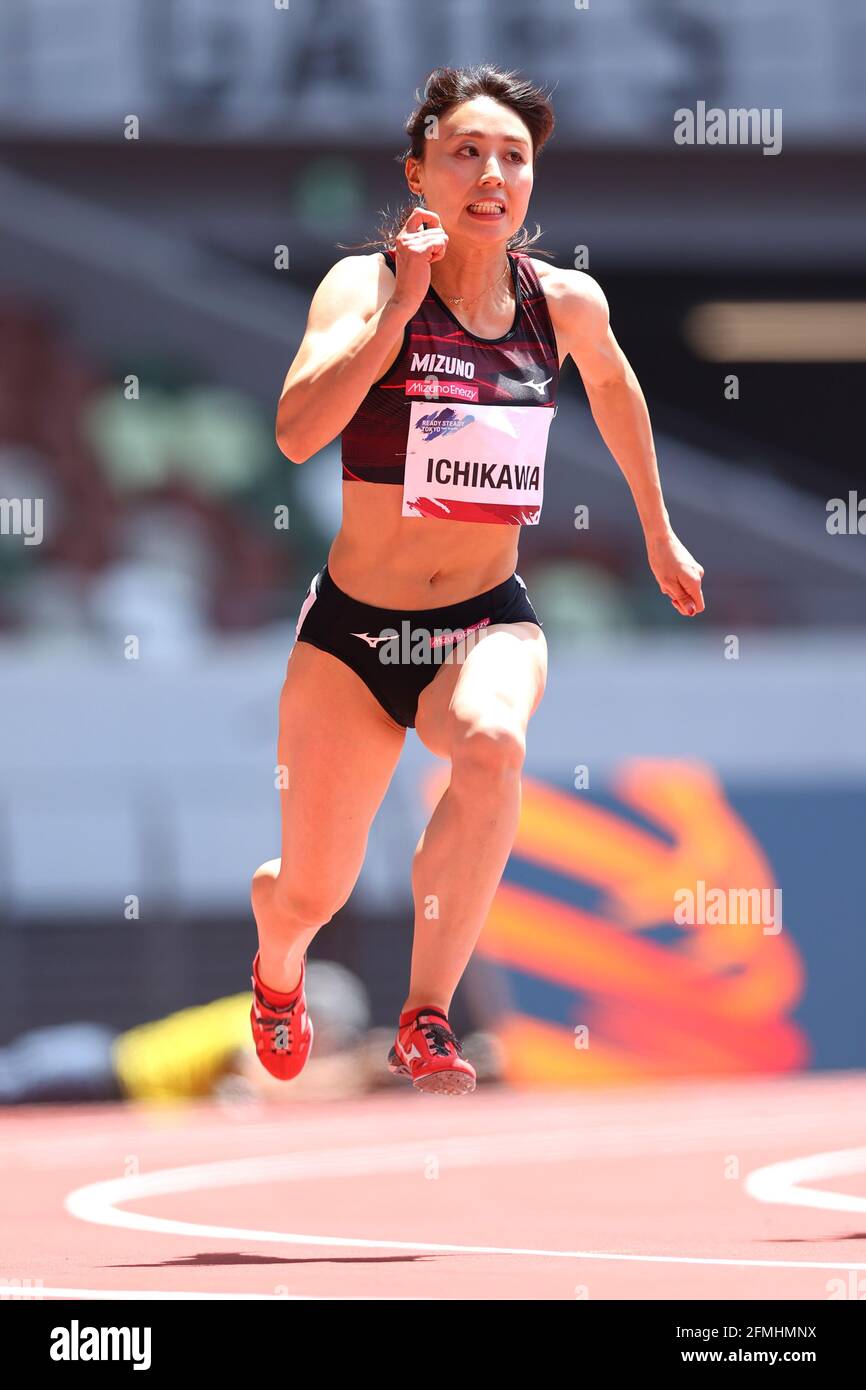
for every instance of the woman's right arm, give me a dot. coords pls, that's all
(352, 326)
(357, 317)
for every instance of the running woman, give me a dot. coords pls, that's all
(437, 360)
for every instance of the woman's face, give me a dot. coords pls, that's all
(477, 152)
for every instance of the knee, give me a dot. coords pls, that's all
(493, 749)
(292, 905)
(303, 906)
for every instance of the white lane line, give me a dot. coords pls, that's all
(780, 1182)
(98, 1202)
(11, 1291)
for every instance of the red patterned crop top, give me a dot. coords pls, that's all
(461, 422)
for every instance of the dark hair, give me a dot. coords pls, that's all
(449, 87)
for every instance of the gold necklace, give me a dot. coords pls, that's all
(458, 298)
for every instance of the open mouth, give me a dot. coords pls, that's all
(487, 207)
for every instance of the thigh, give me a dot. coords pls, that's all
(500, 680)
(337, 751)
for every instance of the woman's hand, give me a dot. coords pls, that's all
(677, 572)
(415, 250)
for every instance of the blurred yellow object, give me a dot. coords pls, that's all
(181, 1057)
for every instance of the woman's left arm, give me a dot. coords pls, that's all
(581, 319)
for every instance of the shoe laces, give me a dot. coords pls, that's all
(439, 1038)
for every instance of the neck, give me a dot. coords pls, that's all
(470, 270)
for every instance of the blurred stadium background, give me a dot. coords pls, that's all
(175, 178)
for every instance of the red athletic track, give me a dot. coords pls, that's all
(657, 1171)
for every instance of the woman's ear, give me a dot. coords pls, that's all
(410, 170)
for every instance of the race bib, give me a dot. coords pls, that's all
(476, 462)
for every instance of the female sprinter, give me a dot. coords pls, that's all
(438, 362)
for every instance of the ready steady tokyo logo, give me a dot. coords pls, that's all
(444, 421)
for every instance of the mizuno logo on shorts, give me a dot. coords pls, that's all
(371, 641)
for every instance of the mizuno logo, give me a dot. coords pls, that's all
(540, 385)
(441, 362)
(535, 385)
(412, 1053)
(371, 641)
